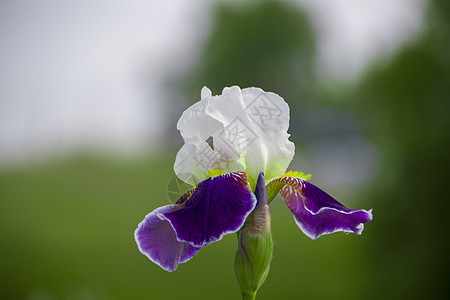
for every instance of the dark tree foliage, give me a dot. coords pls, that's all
(267, 44)
(405, 109)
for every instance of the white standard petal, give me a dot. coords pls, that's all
(238, 130)
(270, 115)
(203, 149)
(206, 93)
(255, 125)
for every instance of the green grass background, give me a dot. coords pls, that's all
(67, 233)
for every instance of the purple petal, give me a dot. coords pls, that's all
(157, 240)
(260, 190)
(317, 213)
(218, 206)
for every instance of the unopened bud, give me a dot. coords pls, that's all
(255, 246)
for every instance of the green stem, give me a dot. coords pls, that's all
(246, 296)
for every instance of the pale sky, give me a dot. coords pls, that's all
(351, 33)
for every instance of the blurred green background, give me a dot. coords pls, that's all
(66, 225)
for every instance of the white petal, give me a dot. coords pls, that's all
(256, 126)
(195, 124)
(196, 157)
(270, 115)
(249, 132)
(193, 162)
(206, 93)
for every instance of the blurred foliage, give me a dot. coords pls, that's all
(405, 108)
(267, 44)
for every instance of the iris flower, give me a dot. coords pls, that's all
(234, 144)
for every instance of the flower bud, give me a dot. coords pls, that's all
(255, 246)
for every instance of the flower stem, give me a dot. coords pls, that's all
(247, 296)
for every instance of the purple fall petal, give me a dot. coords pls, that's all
(317, 213)
(218, 206)
(157, 240)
